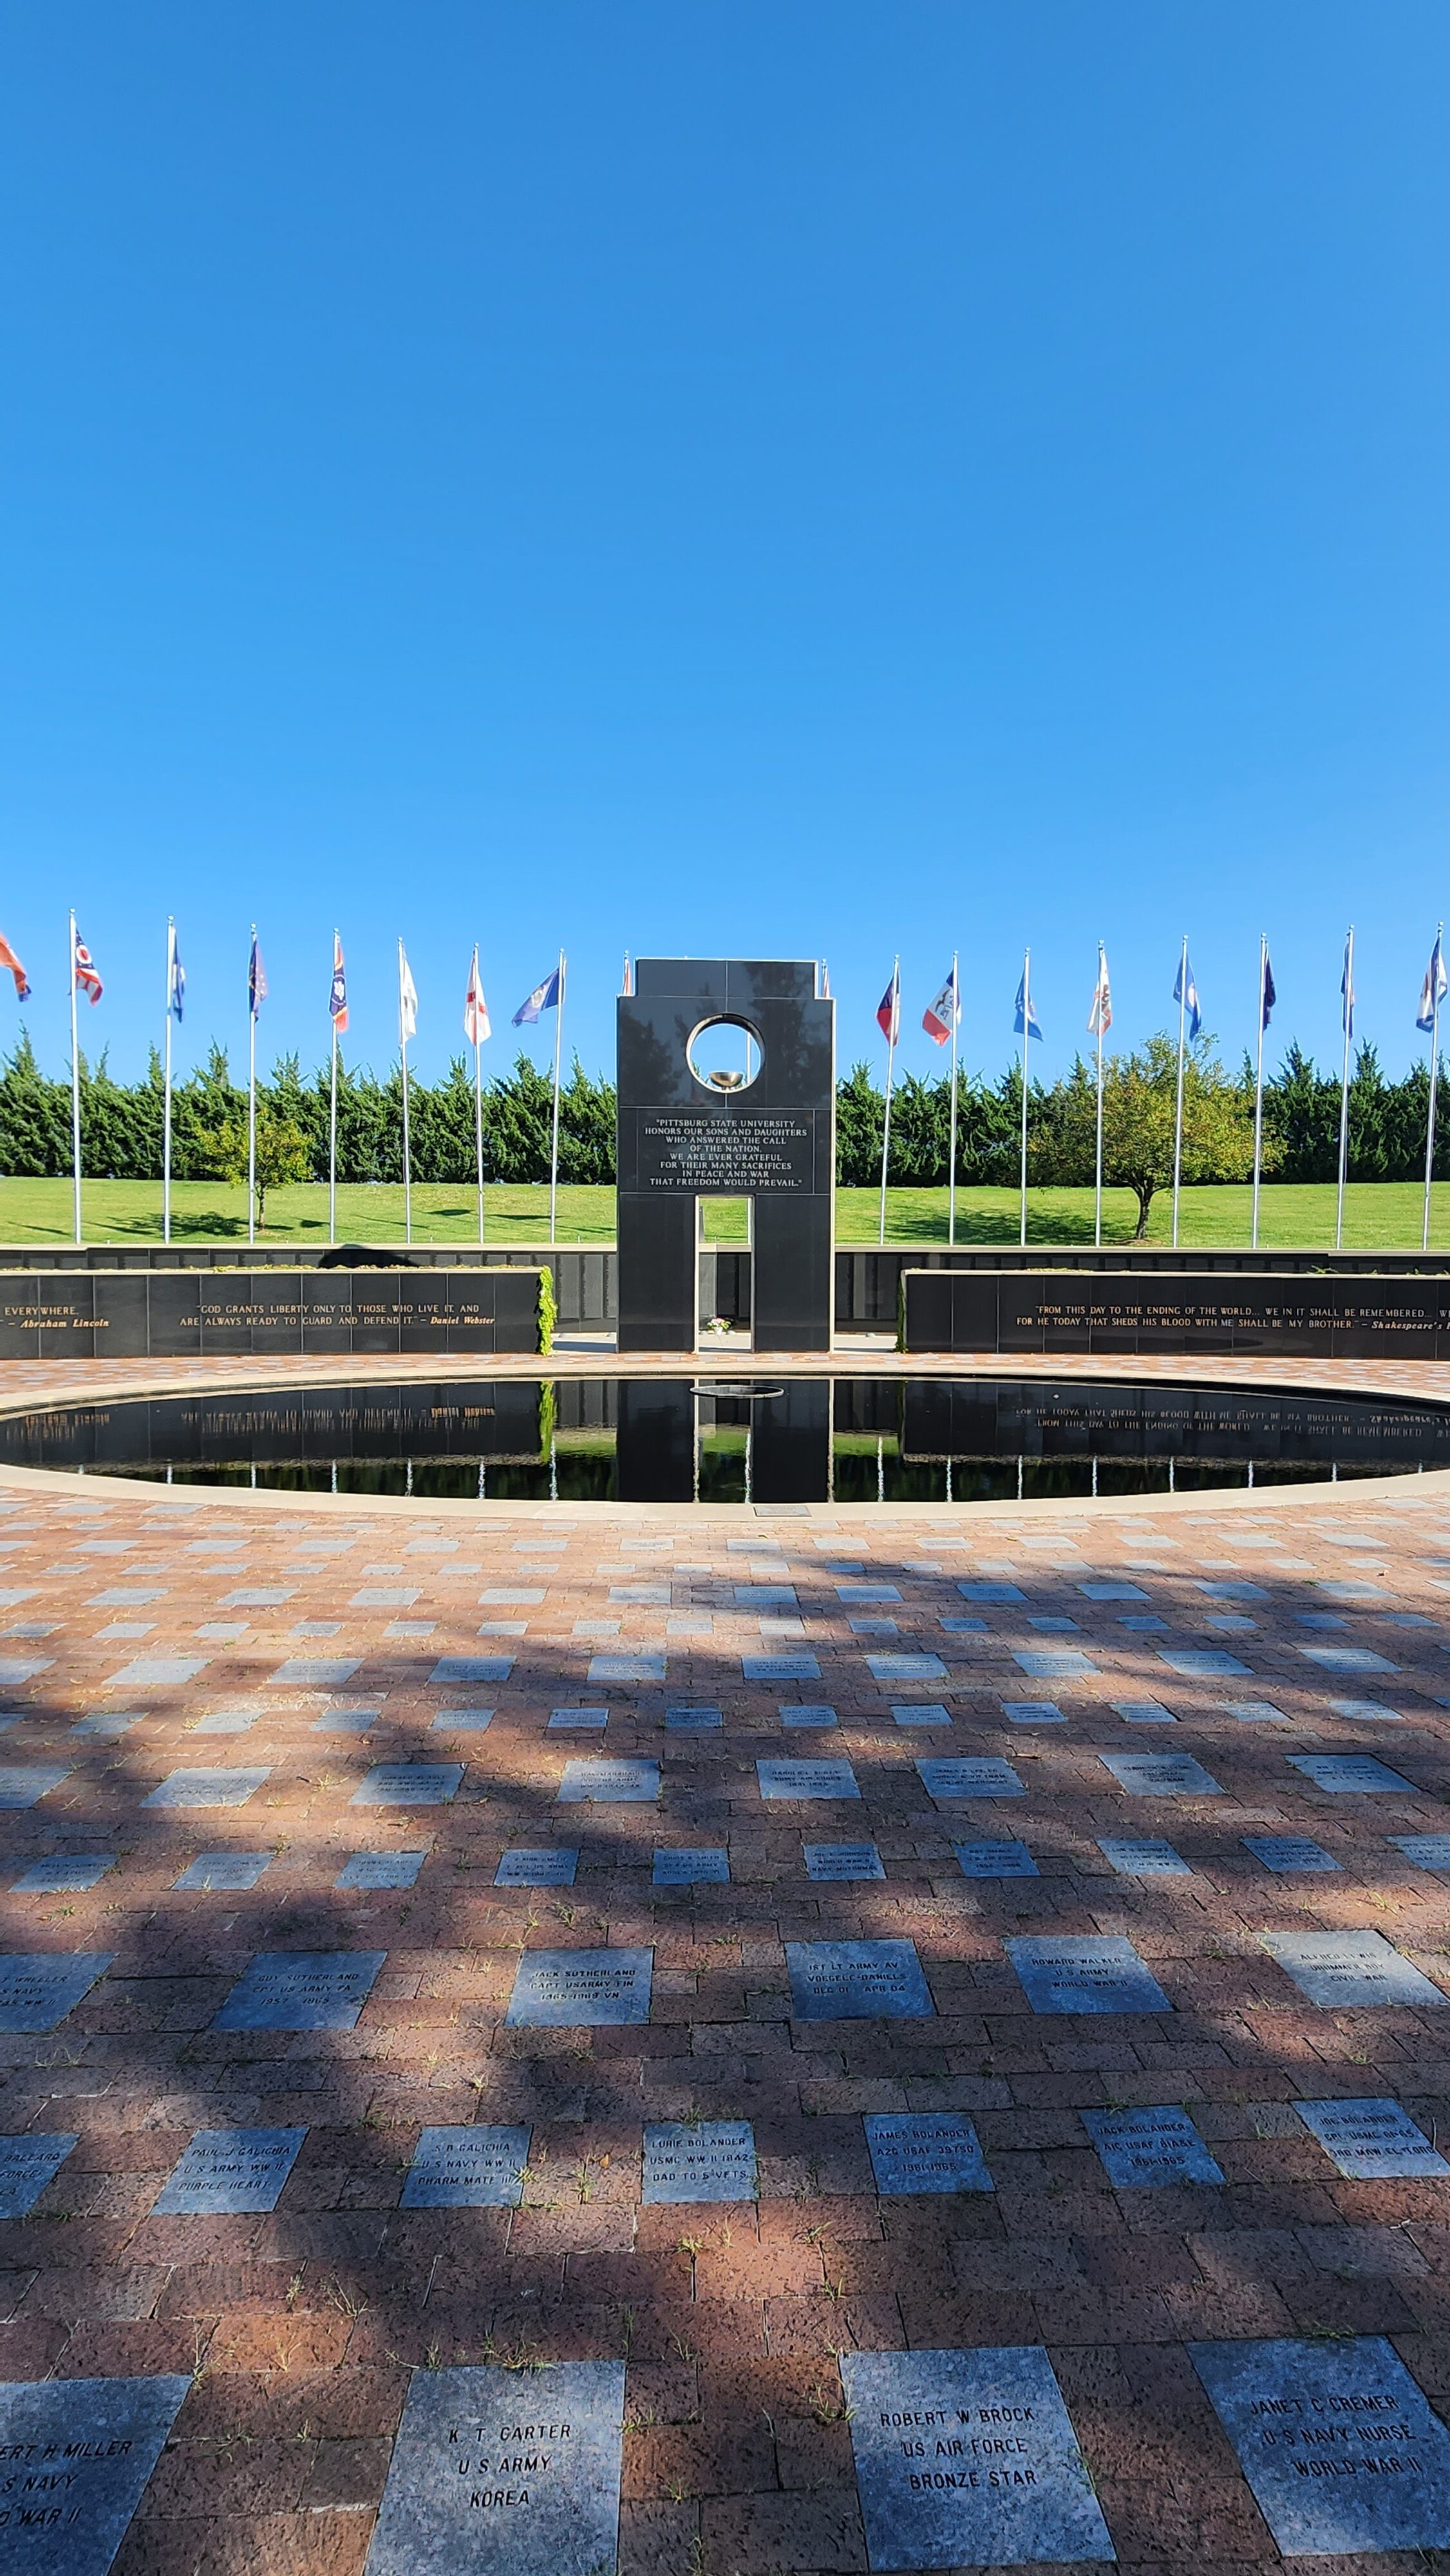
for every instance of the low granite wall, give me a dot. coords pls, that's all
(107, 1314)
(1316, 1318)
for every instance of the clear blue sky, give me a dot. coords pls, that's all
(762, 476)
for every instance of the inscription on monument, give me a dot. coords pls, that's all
(745, 1150)
(498, 2473)
(1342, 2450)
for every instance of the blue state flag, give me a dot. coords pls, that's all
(544, 997)
(175, 979)
(1346, 987)
(1185, 991)
(1270, 996)
(1432, 991)
(1026, 1022)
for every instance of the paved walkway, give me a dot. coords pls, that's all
(1040, 2240)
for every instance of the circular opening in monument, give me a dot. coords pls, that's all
(724, 1055)
(773, 1439)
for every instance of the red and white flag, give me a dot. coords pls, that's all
(475, 1009)
(87, 980)
(11, 962)
(1100, 1017)
(888, 1009)
(944, 1014)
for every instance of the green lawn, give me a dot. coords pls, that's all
(1378, 1216)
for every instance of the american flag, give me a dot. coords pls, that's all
(87, 980)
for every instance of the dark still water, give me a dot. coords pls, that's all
(762, 1439)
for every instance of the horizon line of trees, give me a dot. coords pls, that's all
(121, 1123)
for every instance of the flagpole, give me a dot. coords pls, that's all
(166, 1091)
(1098, 1189)
(252, 1096)
(1259, 1093)
(75, 1085)
(1026, 1016)
(1178, 1117)
(478, 1094)
(1434, 1083)
(1348, 1014)
(332, 1107)
(554, 1140)
(890, 1062)
(952, 1167)
(407, 1152)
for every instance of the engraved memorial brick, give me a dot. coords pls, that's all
(1342, 2450)
(229, 2171)
(968, 2459)
(301, 1990)
(467, 2168)
(27, 2164)
(1148, 1858)
(381, 1869)
(1150, 2148)
(925, 2151)
(1339, 1969)
(995, 1860)
(805, 1779)
(1372, 2140)
(844, 1861)
(409, 1784)
(1161, 1775)
(691, 1868)
(978, 1775)
(38, 1988)
(857, 1981)
(75, 2459)
(580, 1989)
(609, 1784)
(552, 1867)
(1353, 1774)
(703, 2160)
(1084, 1973)
(1289, 1855)
(501, 2473)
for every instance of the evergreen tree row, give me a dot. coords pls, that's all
(121, 1123)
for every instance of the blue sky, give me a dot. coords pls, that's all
(777, 477)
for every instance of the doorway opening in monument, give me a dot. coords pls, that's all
(724, 1233)
(724, 1056)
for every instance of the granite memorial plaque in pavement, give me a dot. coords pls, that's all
(301, 1990)
(562, 1719)
(609, 1783)
(1094, 1972)
(409, 1784)
(1424, 1851)
(968, 2459)
(995, 1860)
(857, 1981)
(24, 1784)
(1032, 1712)
(64, 1874)
(1343, 2452)
(381, 1869)
(159, 1672)
(1289, 1855)
(925, 2151)
(1350, 1773)
(991, 1592)
(699, 2160)
(451, 1670)
(1348, 1659)
(693, 1721)
(780, 1778)
(846, 1861)
(1143, 1712)
(1337, 1969)
(552, 1867)
(780, 1668)
(229, 2173)
(626, 1668)
(314, 1672)
(684, 1867)
(1372, 2139)
(222, 1869)
(972, 1775)
(906, 1668)
(1059, 1667)
(807, 1714)
(38, 1988)
(469, 2168)
(75, 2458)
(505, 2473)
(1147, 2148)
(1161, 1775)
(1255, 1712)
(227, 1721)
(1199, 1661)
(580, 1989)
(27, 2164)
(1149, 1857)
(208, 1788)
(1368, 1712)
(463, 1721)
(921, 1713)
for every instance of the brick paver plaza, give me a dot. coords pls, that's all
(915, 2005)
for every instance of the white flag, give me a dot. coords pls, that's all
(1100, 1017)
(407, 1000)
(475, 1009)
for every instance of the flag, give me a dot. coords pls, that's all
(824, 994)
(407, 999)
(9, 959)
(944, 1014)
(1100, 1017)
(87, 980)
(1026, 1022)
(627, 987)
(1270, 996)
(256, 979)
(1346, 986)
(337, 998)
(175, 975)
(1432, 991)
(1186, 991)
(475, 1009)
(544, 997)
(888, 1009)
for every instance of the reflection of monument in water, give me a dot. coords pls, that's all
(727, 1088)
